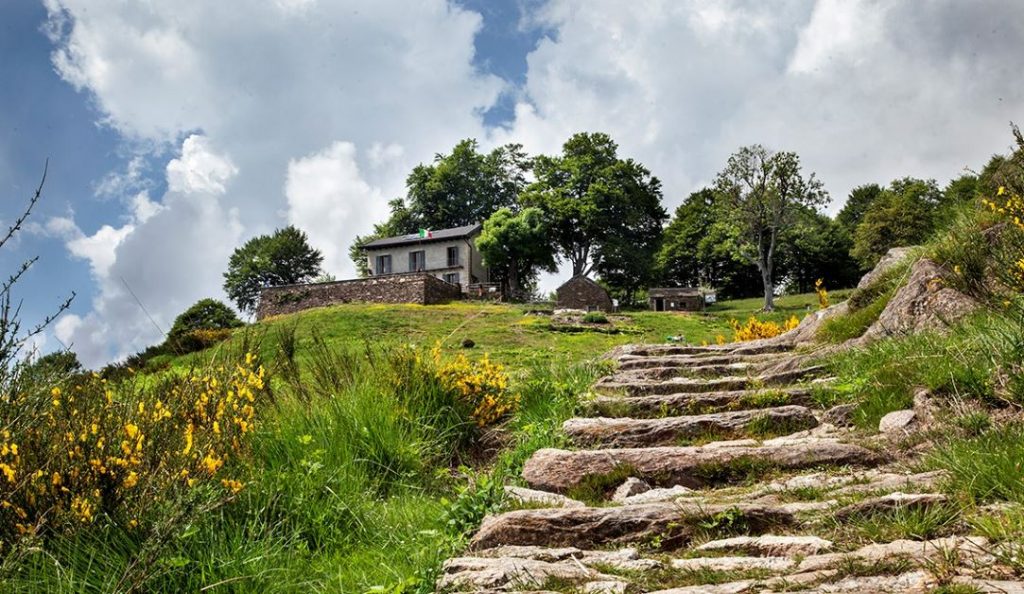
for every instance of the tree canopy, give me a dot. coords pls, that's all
(466, 186)
(515, 247)
(282, 258)
(759, 193)
(604, 212)
(205, 314)
(903, 214)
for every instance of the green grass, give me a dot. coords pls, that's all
(362, 475)
(956, 365)
(986, 468)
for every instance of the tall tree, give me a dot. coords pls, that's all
(759, 193)
(605, 212)
(283, 258)
(814, 247)
(902, 215)
(857, 204)
(515, 247)
(466, 186)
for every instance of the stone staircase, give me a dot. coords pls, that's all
(710, 470)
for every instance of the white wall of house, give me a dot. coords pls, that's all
(435, 255)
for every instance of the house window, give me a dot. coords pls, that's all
(452, 277)
(417, 261)
(453, 256)
(383, 264)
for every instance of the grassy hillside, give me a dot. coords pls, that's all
(333, 450)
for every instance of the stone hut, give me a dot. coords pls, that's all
(580, 292)
(676, 299)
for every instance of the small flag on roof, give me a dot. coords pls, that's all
(426, 233)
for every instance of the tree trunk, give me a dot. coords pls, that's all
(769, 287)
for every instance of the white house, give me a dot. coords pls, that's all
(448, 254)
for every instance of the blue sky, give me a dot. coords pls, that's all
(176, 130)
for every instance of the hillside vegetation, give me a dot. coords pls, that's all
(339, 449)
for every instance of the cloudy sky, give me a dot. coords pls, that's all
(178, 129)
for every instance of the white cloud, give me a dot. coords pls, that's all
(328, 198)
(260, 92)
(313, 112)
(864, 91)
(199, 169)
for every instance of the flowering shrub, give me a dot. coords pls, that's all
(95, 450)
(819, 288)
(755, 329)
(197, 340)
(1010, 207)
(482, 385)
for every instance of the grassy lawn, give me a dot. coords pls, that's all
(508, 333)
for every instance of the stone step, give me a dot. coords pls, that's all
(661, 405)
(669, 525)
(628, 432)
(970, 549)
(695, 467)
(767, 545)
(631, 362)
(737, 348)
(691, 371)
(689, 385)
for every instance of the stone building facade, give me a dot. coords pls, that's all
(447, 254)
(580, 292)
(676, 299)
(420, 288)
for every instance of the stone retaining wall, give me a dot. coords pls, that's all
(397, 288)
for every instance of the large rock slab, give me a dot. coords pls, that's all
(690, 385)
(671, 524)
(628, 432)
(660, 405)
(694, 467)
(925, 302)
(893, 257)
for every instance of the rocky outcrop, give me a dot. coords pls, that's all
(893, 257)
(925, 302)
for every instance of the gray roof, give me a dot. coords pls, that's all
(439, 235)
(673, 291)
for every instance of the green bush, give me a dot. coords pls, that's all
(205, 314)
(595, 317)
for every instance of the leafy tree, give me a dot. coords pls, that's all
(604, 212)
(759, 193)
(902, 215)
(205, 314)
(692, 252)
(515, 246)
(856, 205)
(466, 187)
(282, 258)
(814, 247)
